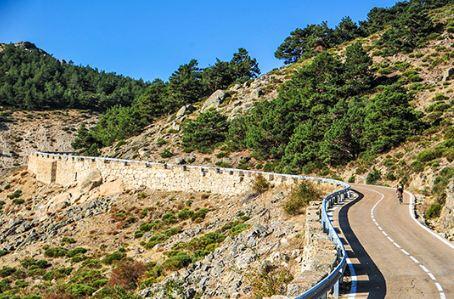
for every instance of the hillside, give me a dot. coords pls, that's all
(363, 103)
(423, 160)
(30, 78)
(22, 132)
(160, 243)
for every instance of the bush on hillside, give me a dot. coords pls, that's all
(260, 185)
(300, 197)
(127, 274)
(373, 177)
(206, 131)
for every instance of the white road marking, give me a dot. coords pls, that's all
(372, 213)
(412, 215)
(397, 245)
(414, 260)
(424, 268)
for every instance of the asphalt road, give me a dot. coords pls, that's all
(392, 256)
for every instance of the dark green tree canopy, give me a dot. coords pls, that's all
(205, 132)
(30, 78)
(302, 42)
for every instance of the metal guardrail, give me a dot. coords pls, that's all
(332, 281)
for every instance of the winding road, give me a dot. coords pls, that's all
(392, 256)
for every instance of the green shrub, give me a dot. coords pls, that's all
(76, 251)
(55, 251)
(169, 218)
(153, 273)
(417, 166)
(373, 177)
(441, 183)
(260, 185)
(204, 133)
(58, 273)
(166, 153)
(185, 214)
(199, 214)
(16, 194)
(156, 239)
(439, 106)
(428, 155)
(201, 246)
(300, 197)
(67, 240)
(238, 229)
(80, 289)
(433, 211)
(146, 227)
(29, 263)
(18, 201)
(117, 255)
(3, 252)
(7, 271)
(176, 260)
(390, 176)
(160, 142)
(269, 280)
(352, 179)
(91, 263)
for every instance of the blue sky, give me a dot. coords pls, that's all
(150, 39)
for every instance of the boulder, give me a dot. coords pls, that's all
(214, 100)
(91, 181)
(185, 110)
(111, 188)
(448, 74)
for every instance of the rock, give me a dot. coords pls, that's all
(448, 74)
(179, 161)
(446, 219)
(110, 188)
(277, 197)
(175, 126)
(214, 100)
(256, 93)
(190, 158)
(145, 293)
(189, 293)
(244, 260)
(258, 232)
(185, 110)
(91, 181)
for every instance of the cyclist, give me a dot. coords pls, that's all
(400, 192)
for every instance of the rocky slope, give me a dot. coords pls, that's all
(23, 132)
(428, 74)
(187, 243)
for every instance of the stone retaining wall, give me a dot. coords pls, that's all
(66, 170)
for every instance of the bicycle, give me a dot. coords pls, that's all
(400, 197)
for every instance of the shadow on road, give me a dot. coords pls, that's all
(376, 285)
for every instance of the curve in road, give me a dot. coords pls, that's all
(391, 254)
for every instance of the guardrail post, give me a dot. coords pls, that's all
(336, 289)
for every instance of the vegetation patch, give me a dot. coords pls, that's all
(300, 197)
